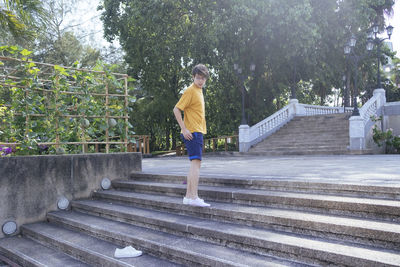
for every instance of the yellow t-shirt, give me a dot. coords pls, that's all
(192, 103)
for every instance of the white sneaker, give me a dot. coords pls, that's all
(127, 252)
(186, 201)
(198, 202)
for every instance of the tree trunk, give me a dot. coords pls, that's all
(174, 137)
(167, 137)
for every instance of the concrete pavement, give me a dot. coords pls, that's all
(379, 170)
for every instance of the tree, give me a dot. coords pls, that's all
(57, 43)
(292, 43)
(19, 18)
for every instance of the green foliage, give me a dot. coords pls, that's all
(63, 104)
(19, 18)
(392, 82)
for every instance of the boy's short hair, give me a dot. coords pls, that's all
(201, 70)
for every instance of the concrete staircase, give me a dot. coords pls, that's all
(252, 222)
(306, 135)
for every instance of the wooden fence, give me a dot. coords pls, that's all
(141, 145)
(214, 144)
(9, 79)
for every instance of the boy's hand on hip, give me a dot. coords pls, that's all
(187, 134)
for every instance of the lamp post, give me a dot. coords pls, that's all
(346, 91)
(349, 52)
(373, 39)
(294, 84)
(241, 76)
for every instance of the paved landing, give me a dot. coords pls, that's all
(383, 170)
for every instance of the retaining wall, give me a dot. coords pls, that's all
(392, 116)
(30, 186)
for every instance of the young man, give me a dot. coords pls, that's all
(192, 129)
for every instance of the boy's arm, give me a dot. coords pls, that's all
(178, 115)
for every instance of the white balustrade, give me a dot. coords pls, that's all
(369, 109)
(269, 125)
(361, 125)
(312, 110)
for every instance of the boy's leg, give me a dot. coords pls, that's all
(194, 148)
(193, 179)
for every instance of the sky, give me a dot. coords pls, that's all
(89, 18)
(395, 22)
(90, 26)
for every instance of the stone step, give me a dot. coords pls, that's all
(289, 144)
(339, 116)
(303, 148)
(303, 134)
(303, 129)
(310, 152)
(319, 121)
(327, 204)
(288, 184)
(26, 252)
(91, 250)
(367, 232)
(340, 123)
(308, 139)
(257, 240)
(310, 120)
(188, 251)
(322, 120)
(303, 152)
(291, 147)
(306, 134)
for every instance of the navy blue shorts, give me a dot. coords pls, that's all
(195, 146)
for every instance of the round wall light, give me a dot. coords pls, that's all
(105, 183)
(63, 203)
(9, 228)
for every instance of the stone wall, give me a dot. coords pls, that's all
(392, 117)
(30, 186)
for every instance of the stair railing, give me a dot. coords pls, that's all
(360, 126)
(311, 110)
(249, 136)
(271, 124)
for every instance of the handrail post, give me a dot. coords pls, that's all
(356, 132)
(244, 138)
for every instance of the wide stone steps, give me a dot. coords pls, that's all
(89, 249)
(180, 248)
(289, 184)
(307, 135)
(246, 238)
(25, 252)
(327, 204)
(252, 221)
(384, 234)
